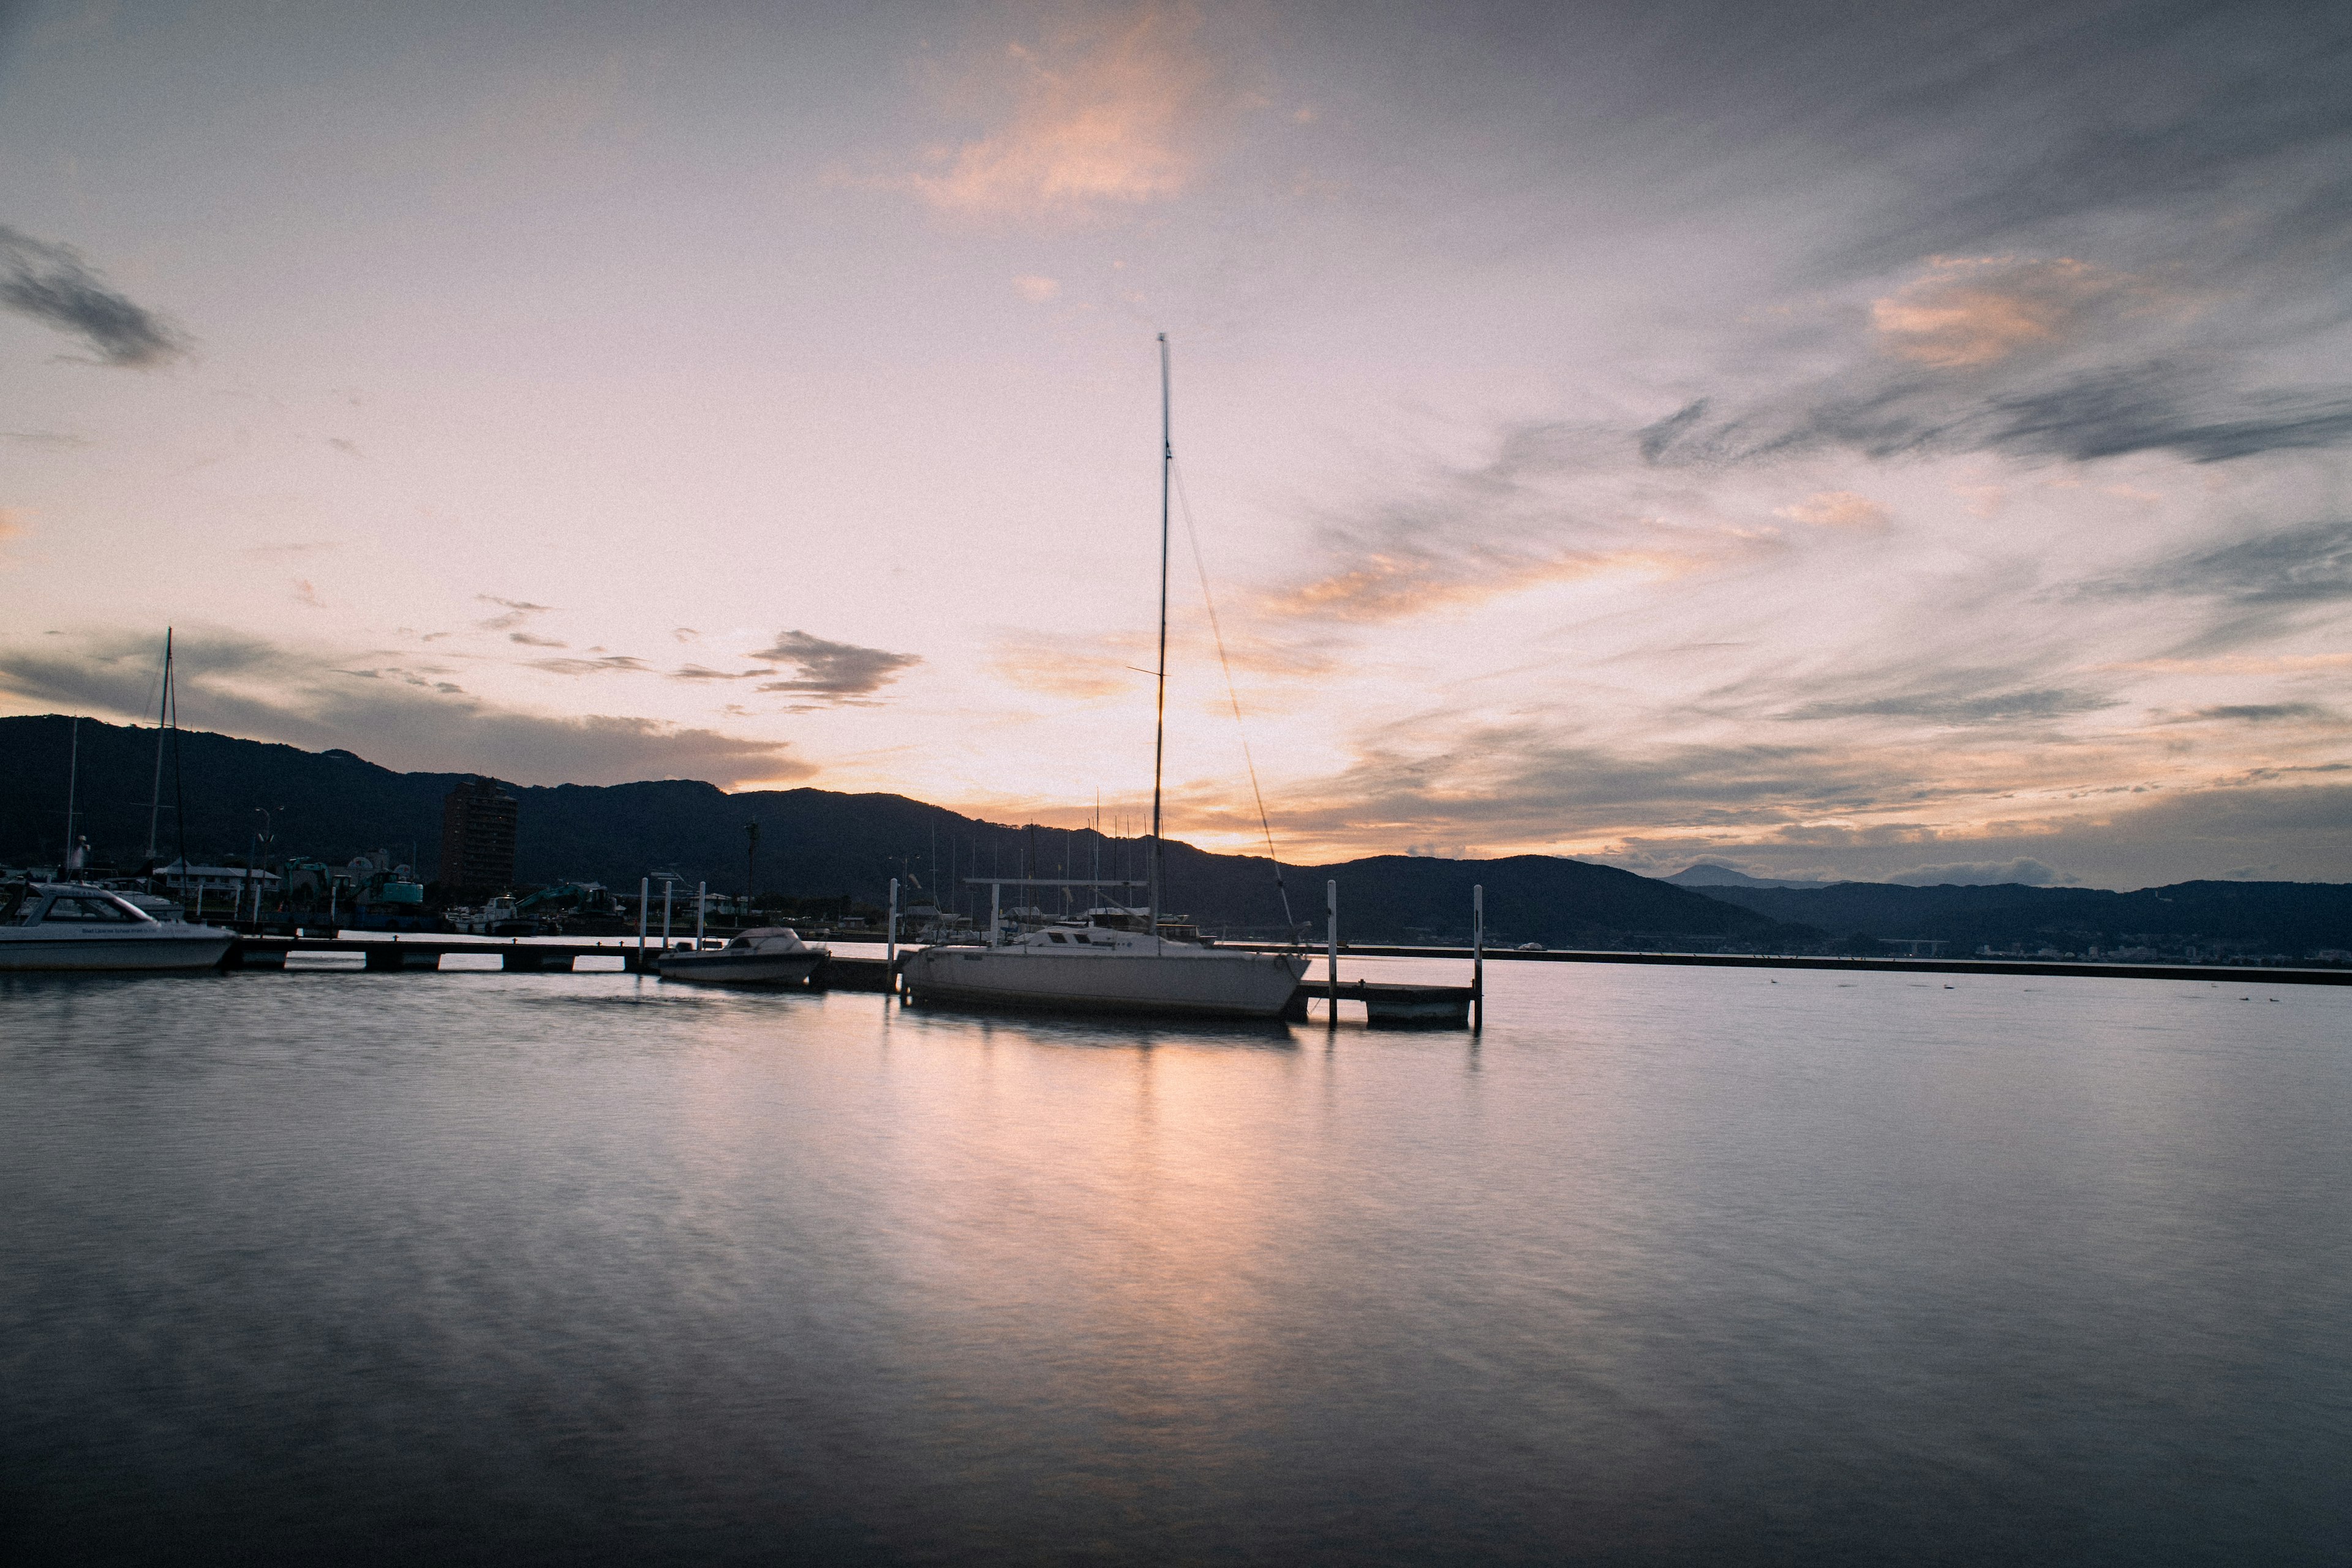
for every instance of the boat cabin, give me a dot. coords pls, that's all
(69, 903)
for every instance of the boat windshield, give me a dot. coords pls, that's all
(94, 909)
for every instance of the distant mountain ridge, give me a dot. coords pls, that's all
(2292, 920)
(1708, 874)
(812, 843)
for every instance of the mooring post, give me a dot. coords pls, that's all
(701, 903)
(890, 947)
(645, 897)
(668, 888)
(1478, 957)
(1331, 946)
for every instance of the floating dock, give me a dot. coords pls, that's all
(422, 954)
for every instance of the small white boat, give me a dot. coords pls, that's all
(1096, 969)
(66, 925)
(769, 955)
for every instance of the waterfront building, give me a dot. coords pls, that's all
(478, 837)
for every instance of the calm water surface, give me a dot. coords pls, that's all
(1671, 1265)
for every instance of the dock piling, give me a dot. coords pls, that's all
(1331, 946)
(1477, 958)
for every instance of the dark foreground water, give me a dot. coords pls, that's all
(1672, 1266)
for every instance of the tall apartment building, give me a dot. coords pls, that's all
(478, 837)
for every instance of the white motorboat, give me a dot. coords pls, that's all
(1100, 967)
(769, 955)
(67, 925)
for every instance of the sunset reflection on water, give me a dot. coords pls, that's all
(1680, 1263)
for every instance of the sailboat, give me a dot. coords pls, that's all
(1097, 967)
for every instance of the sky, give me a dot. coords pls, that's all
(1898, 442)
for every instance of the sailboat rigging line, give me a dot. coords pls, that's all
(1193, 537)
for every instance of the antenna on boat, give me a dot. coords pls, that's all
(1159, 714)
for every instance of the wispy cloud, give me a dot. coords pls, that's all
(1109, 108)
(51, 284)
(517, 611)
(608, 664)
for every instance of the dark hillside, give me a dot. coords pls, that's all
(2255, 917)
(812, 843)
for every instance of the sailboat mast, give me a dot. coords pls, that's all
(1159, 714)
(73, 782)
(162, 707)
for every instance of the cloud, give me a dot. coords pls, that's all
(832, 673)
(2260, 713)
(518, 611)
(1037, 290)
(1107, 109)
(610, 664)
(240, 685)
(2080, 414)
(1545, 507)
(52, 284)
(1836, 509)
(304, 593)
(1968, 312)
(699, 672)
(1956, 700)
(2259, 587)
(2310, 564)
(57, 439)
(527, 640)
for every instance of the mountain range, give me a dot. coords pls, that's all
(812, 843)
(817, 842)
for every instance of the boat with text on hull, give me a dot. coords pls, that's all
(770, 955)
(1099, 966)
(73, 926)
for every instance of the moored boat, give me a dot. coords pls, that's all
(1106, 965)
(768, 955)
(71, 926)
(1098, 969)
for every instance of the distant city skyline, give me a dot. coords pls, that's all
(1895, 445)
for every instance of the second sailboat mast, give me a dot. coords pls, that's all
(1160, 711)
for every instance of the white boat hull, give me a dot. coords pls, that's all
(40, 949)
(1199, 983)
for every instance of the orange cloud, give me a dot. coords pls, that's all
(1106, 110)
(1836, 509)
(1391, 586)
(1973, 311)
